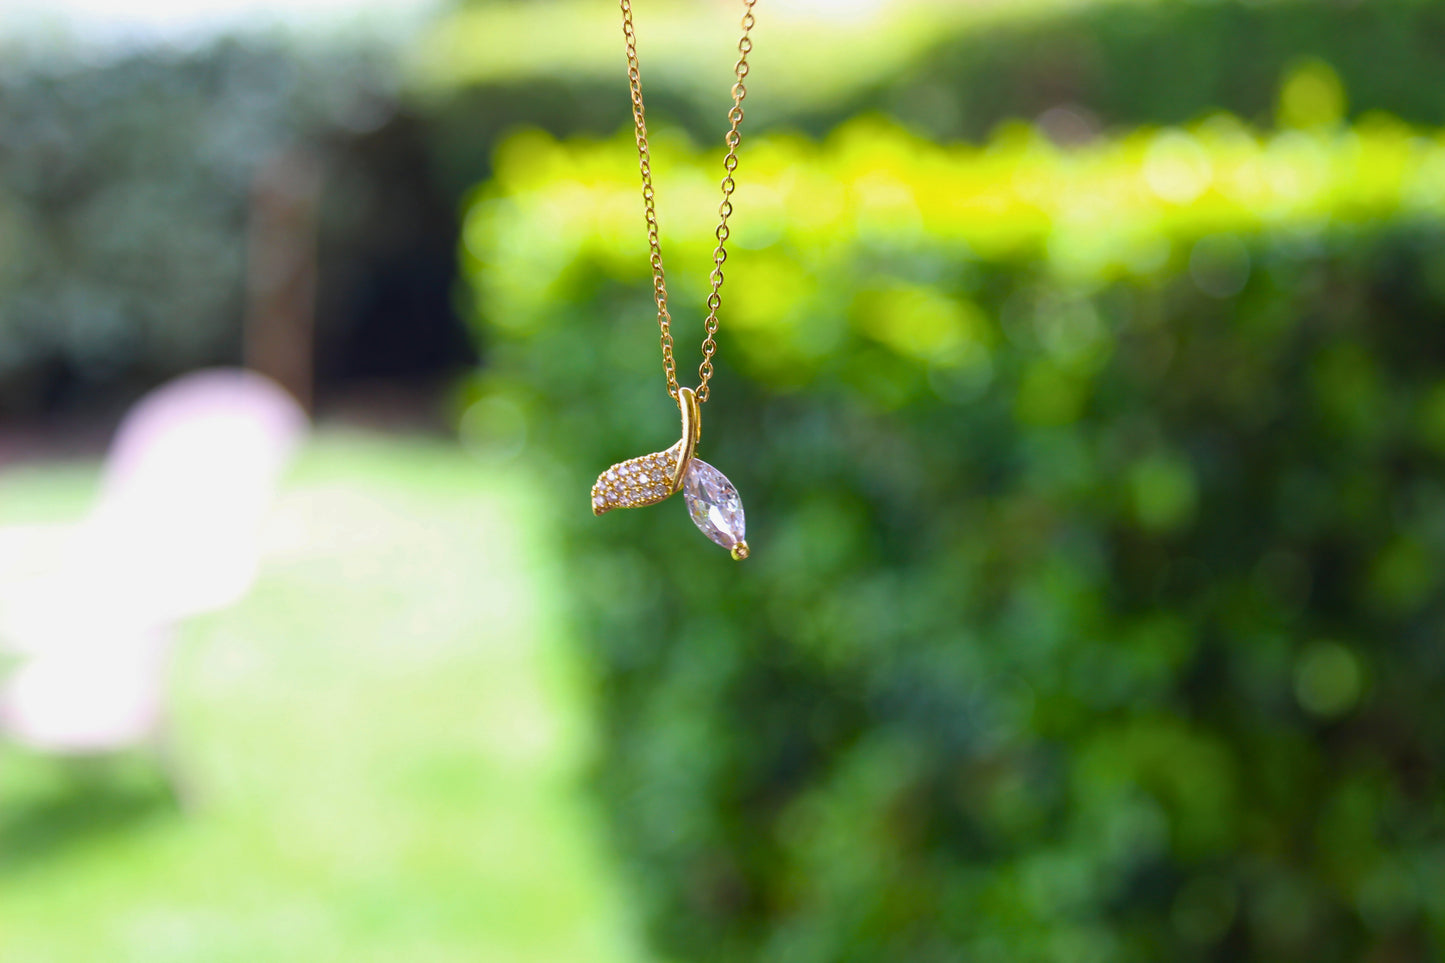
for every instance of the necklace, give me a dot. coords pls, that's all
(712, 501)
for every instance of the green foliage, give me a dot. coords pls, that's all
(1097, 528)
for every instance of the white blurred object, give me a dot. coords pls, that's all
(143, 24)
(174, 533)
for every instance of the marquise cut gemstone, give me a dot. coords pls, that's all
(713, 504)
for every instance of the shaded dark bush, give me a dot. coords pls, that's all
(1167, 63)
(124, 192)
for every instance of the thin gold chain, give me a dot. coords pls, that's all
(725, 209)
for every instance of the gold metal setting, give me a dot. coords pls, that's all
(687, 403)
(649, 479)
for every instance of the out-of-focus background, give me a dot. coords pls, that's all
(1082, 371)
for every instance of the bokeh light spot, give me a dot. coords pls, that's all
(1204, 909)
(1164, 492)
(1327, 679)
(1176, 167)
(1219, 265)
(493, 427)
(1311, 96)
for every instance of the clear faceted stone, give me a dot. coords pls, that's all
(713, 503)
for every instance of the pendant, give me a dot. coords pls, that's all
(712, 501)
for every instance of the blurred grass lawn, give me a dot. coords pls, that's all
(380, 748)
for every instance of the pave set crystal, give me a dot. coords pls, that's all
(636, 482)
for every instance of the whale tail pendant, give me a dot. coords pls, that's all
(712, 501)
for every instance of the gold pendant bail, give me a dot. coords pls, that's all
(691, 433)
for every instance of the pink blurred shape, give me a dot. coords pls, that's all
(175, 532)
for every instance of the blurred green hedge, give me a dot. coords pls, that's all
(1098, 519)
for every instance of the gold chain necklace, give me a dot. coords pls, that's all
(712, 501)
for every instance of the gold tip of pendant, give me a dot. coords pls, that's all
(741, 551)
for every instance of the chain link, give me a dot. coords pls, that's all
(730, 162)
